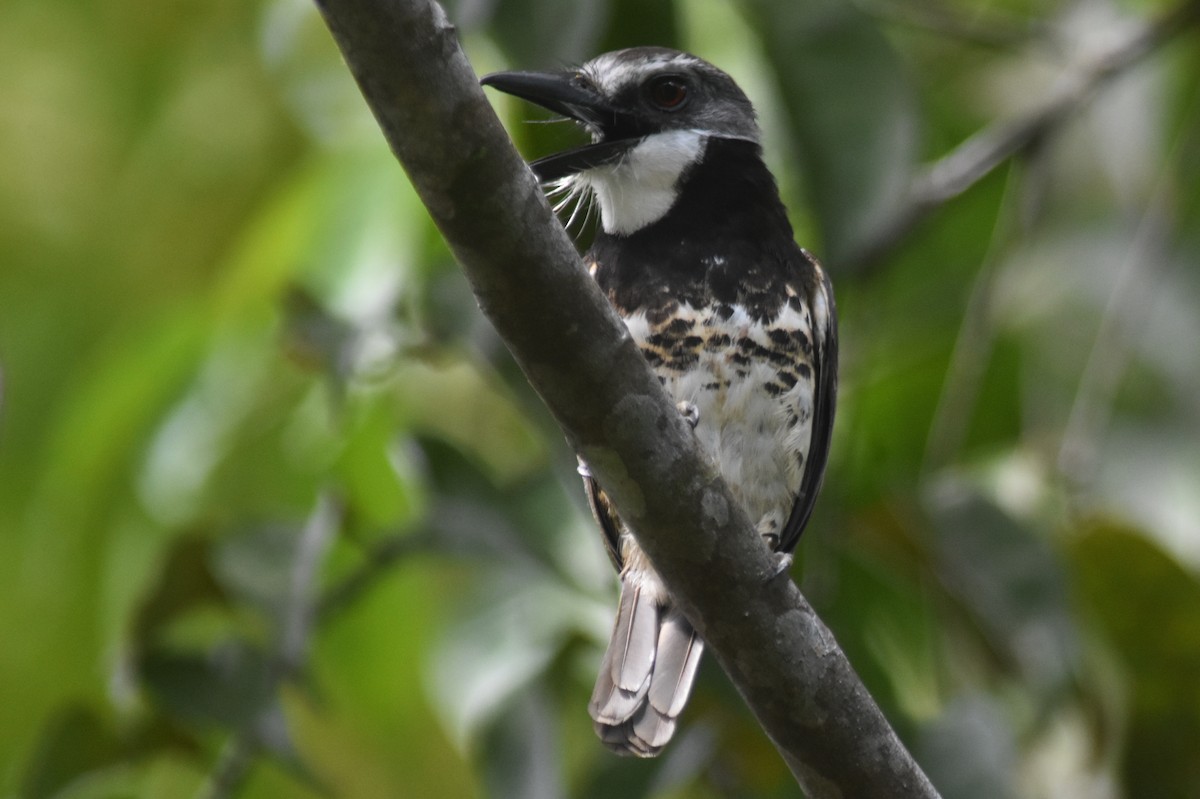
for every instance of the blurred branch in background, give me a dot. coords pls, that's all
(988, 27)
(951, 175)
(294, 627)
(1143, 263)
(380, 557)
(968, 361)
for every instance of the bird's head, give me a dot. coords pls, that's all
(626, 97)
(650, 112)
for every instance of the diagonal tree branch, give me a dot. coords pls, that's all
(576, 353)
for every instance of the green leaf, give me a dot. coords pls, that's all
(851, 110)
(884, 622)
(185, 583)
(372, 465)
(1148, 607)
(512, 629)
(546, 34)
(1010, 581)
(73, 743)
(522, 750)
(80, 753)
(637, 22)
(232, 686)
(461, 403)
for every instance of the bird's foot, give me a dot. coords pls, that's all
(582, 468)
(783, 562)
(689, 412)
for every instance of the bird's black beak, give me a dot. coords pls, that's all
(565, 93)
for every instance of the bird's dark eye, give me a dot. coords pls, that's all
(668, 92)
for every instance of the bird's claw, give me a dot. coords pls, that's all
(783, 562)
(689, 412)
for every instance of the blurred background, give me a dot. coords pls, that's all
(281, 519)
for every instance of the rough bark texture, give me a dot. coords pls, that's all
(577, 354)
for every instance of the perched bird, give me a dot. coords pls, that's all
(696, 253)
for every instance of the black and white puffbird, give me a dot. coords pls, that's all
(696, 253)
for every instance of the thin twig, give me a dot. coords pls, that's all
(985, 28)
(296, 617)
(381, 557)
(295, 623)
(1125, 316)
(969, 360)
(232, 767)
(974, 159)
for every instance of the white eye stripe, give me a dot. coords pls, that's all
(612, 74)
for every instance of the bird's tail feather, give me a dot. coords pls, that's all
(646, 674)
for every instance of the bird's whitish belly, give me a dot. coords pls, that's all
(751, 380)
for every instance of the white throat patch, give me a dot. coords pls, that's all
(640, 188)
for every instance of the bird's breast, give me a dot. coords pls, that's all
(749, 374)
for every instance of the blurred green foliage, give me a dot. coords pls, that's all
(281, 518)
